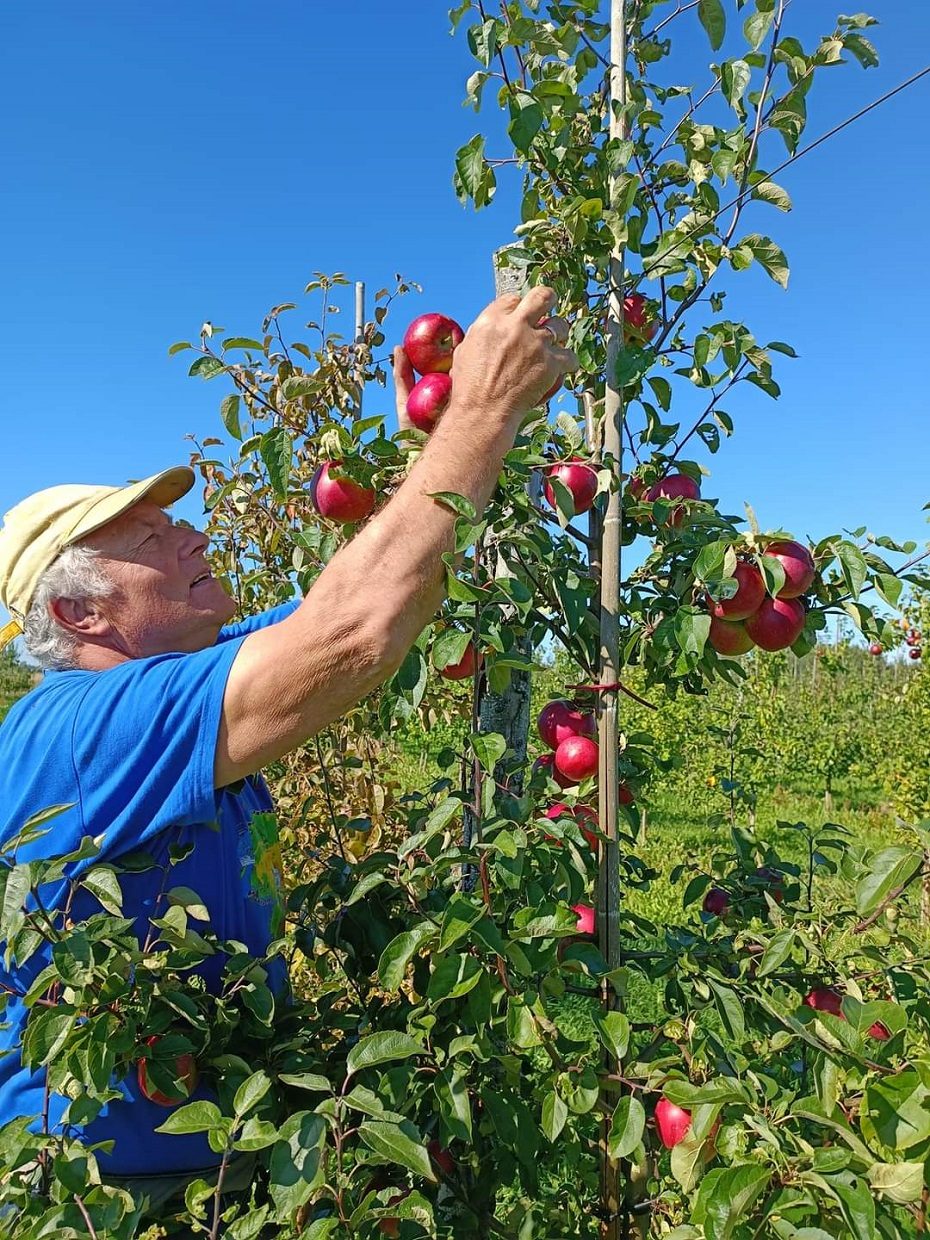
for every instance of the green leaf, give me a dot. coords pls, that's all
(899, 1182)
(460, 915)
(730, 1008)
(768, 191)
(856, 1204)
(458, 503)
(896, 1111)
(863, 50)
(194, 1117)
(614, 1031)
(888, 869)
(626, 1127)
(756, 27)
(229, 412)
(709, 564)
(243, 342)
(382, 1048)
(296, 1170)
(449, 648)
(735, 76)
(190, 901)
(725, 1198)
(400, 951)
(179, 347)
(714, 21)
(853, 565)
(206, 368)
(474, 177)
(256, 1134)
(889, 587)
(103, 884)
(769, 256)
(47, 1030)
(526, 118)
(276, 450)
(399, 1144)
(554, 1115)
(251, 1092)
(489, 748)
(311, 1081)
(692, 630)
(776, 952)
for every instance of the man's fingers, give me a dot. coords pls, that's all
(404, 380)
(566, 358)
(538, 304)
(557, 328)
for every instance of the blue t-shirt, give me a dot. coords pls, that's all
(133, 748)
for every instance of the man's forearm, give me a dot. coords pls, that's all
(395, 562)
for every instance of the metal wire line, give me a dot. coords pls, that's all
(656, 260)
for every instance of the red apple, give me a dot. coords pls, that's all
(716, 902)
(625, 794)
(560, 719)
(798, 564)
(636, 325)
(577, 758)
(825, 999)
(729, 638)
(428, 400)
(674, 486)
(750, 591)
(546, 762)
(429, 343)
(914, 652)
(879, 1031)
(876, 648)
(582, 814)
(185, 1070)
(774, 880)
(465, 667)
(777, 624)
(586, 919)
(339, 499)
(673, 1123)
(441, 1158)
(578, 478)
(391, 1226)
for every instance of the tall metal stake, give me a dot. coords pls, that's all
(615, 1225)
(359, 339)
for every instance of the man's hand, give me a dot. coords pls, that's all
(404, 380)
(506, 363)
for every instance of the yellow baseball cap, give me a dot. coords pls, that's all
(38, 529)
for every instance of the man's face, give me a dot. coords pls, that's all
(156, 606)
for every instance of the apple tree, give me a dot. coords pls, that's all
(462, 1055)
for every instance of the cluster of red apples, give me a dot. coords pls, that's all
(429, 343)
(752, 617)
(569, 732)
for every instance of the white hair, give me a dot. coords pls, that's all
(74, 575)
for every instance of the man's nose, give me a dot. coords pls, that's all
(194, 542)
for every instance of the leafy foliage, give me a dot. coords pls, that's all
(448, 1064)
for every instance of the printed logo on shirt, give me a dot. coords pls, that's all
(266, 878)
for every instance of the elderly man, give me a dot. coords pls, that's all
(155, 719)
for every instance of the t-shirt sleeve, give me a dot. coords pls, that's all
(144, 745)
(251, 624)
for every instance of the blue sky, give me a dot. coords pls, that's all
(166, 164)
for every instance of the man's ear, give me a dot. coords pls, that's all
(79, 616)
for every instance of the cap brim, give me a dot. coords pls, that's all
(162, 489)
